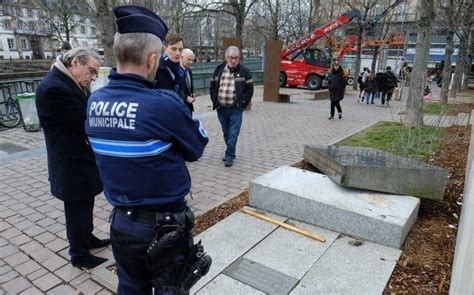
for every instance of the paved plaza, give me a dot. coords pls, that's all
(33, 245)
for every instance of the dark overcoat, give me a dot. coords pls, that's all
(337, 84)
(61, 106)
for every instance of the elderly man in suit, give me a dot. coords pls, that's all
(187, 59)
(61, 100)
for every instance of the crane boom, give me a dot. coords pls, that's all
(317, 34)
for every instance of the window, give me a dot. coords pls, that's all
(93, 30)
(18, 11)
(24, 44)
(7, 24)
(31, 26)
(11, 43)
(30, 12)
(83, 29)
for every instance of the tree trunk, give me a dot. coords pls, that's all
(374, 59)
(468, 66)
(358, 54)
(426, 16)
(460, 62)
(447, 67)
(105, 20)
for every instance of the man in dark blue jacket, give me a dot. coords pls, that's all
(142, 137)
(61, 100)
(231, 91)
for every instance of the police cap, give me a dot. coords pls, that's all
(137, 19)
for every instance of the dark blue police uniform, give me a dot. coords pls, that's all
(141, 138)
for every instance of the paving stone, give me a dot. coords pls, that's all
(47, 282)
(27, 267)
(16, 259)
(382, 218)
(7, 250)
(57, 245)
(31, 291)
(31, 247)
(24, 224)
(37, 273)
(80, 279)
(3, 242)
(4, 226)
(223, 284)
(104, 292)
(89, 287)
(62, 290)
(289, 252)
(105, 278)
(54, 262)
(42, 254)
(45, 237)
(348, 269)
(20, 240)
(4, 269)
(68, 272)
(8, 276)
(225, 243)
(16, 285)
(11, 233)
(34, 230)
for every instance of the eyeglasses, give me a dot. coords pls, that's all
(92, 70)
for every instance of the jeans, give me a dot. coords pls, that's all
(231, 121)
(371, 96)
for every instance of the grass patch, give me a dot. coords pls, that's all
(394, 138)
(436, 108)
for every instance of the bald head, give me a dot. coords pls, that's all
(187, 58)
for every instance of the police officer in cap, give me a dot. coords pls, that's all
(141, 138)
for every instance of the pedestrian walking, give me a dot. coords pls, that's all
(231, 90)
(388, 82)
(337, 86)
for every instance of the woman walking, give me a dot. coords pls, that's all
(337, 86)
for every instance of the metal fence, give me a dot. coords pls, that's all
(13, 87)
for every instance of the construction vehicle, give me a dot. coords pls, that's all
(303, 65)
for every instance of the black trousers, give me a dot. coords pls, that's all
(79, 226)
(335, 105)
(389, 94)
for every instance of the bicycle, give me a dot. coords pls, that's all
(10, 114)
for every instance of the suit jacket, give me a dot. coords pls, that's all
(189, 89)
(165, 79)
(61, 106)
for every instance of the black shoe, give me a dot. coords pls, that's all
(340, 116)
(224, 159)
(372, 103)
(228, 163)
(331, 118)
(98, 243)
(88, 261)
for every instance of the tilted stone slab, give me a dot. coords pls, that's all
(346, 268)
(313, 198)
(371, 169)
(223, 284)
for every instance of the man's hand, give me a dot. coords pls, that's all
(191, 99)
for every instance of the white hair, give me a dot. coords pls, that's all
(187, 51)
(232, 49)
(83, 53)
(133, 48)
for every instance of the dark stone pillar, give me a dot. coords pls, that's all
(271, 72)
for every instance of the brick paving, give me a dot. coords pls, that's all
(33, 245)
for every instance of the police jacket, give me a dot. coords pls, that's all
(243, 85)
(61, 106)
(141, 138)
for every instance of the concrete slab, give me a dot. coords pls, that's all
(348, 269)
(231, 238)
(382, 218)
(290, 252)
(371, 169)
(226, 285)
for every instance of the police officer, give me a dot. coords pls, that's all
(141, 138)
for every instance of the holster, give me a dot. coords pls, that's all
(176, 262)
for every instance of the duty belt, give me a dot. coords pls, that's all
(147, 216)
